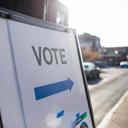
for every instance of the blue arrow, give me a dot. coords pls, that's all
(51, 89)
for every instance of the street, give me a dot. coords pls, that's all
(107, 91)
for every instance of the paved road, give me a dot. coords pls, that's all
(106, 75)
(106, 95)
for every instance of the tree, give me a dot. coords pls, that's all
(89, 55)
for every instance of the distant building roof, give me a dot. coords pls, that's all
(90, 41)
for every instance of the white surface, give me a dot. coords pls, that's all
(9, 99)
(31, 75)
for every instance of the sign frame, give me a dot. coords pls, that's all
(1, 123)
(12, 15)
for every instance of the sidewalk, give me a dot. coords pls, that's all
(118, 116)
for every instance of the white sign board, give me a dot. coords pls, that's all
(49, 77)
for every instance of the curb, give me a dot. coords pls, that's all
(108, 117)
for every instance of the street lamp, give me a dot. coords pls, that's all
(116, 52)
(116, 57)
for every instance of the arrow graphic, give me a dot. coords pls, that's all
(51, 89)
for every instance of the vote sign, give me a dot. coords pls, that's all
(49, 77)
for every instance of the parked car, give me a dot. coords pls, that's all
(100, 64)
(124, 64)
(91, 70)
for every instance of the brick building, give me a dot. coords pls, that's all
(48, 10)
(90, 42)
(112, 56)
(90, 47)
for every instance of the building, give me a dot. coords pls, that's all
(112, 56)
(90, 42)
(90, 47)
(57, 12)
(48, 10)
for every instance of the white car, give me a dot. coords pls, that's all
(91, 70)
(124, 64)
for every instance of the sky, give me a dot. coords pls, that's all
(107, 19)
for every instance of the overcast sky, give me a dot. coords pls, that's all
(107, 19)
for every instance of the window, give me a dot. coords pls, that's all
(60, 18)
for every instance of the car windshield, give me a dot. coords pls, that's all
(86, 66)
(123, 63)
